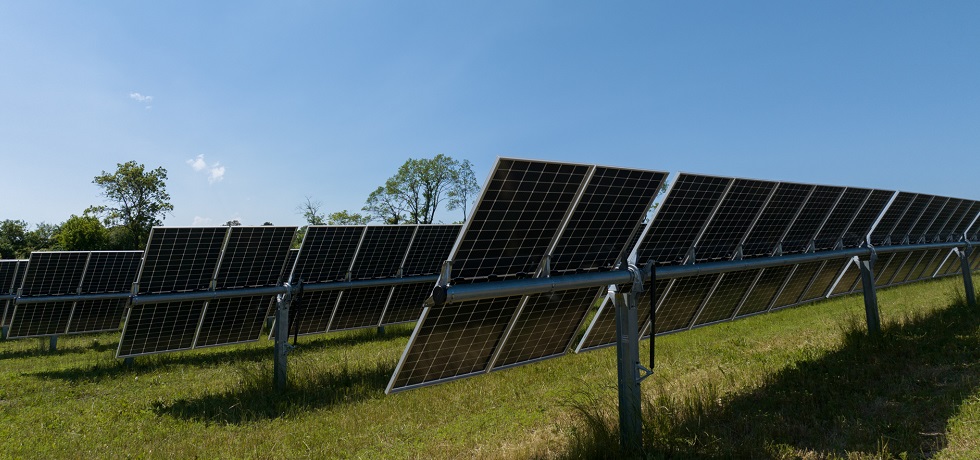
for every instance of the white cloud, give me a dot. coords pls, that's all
(216, 172)
(140, 97)
(198, 163)
(202, 221)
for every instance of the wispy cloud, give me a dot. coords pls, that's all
(202, 221)
(216, 171)
(146, 99)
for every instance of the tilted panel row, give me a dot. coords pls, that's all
(60, 273)
(364, 253)
(197, 259)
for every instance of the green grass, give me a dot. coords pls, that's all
(804, 382)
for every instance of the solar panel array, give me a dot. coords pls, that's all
(68, 273)
(197, 259)
(341, 253)
(534, 219)
(702, 220)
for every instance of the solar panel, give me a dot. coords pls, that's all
(580, 216)
(522, 207)
(942, 226)
(776, 218)
(237, 257)
(429, 249)
(884, 231)
(904, 226)
(860, 228)
(252, 257)
(975, 260)
(903, 272)
(960, 231)
(811, 218)
(326, 253)
(926, 220)
(823, 281)
(546, 325)
(8, 286)
(107, 272)
(601, 225)
(156, 328)
(609, 212)
(850, 280)
(680, 219)
(796, 284)
(443, 350)
(733, 220)
(928, 265)
(728, 295)
(380, 255)
(405, 304)
(180, 259)
(681, 301)
(886, 268)
(762, 294)
(950, 264)
(325, 256)
(840, 218)
(48, 274)
(177, 259)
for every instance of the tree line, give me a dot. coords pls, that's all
(412, 195)
(136, 200)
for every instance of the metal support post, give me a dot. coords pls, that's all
(129, 362)
(628, 359)
(3, 332)
(381, 330)
(971, 295)
(870, 295)
(282, 347)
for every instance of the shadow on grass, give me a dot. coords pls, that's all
(876, 396)
(308, 389)
(111, 367)
(41, 349)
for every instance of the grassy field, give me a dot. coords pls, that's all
(804, 382)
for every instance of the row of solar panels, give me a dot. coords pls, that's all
(533, 219)
(537, 219)
(189, 259)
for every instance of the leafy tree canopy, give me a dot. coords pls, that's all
(83, 233)
(346, 217)
(420, 186)
(138, 200)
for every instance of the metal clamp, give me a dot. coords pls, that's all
(644, 372)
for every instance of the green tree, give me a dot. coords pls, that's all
(346, 217)
(82, 233)
(419, 187)
(42, 238)
(138, 197)
(464, 188)
(233, 223)
(13, 238)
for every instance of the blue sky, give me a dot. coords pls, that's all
(251, 106)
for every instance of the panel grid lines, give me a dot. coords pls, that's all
(729, 226)
(775, 219)
(681, 217)
(609, 211)
(523, 205)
